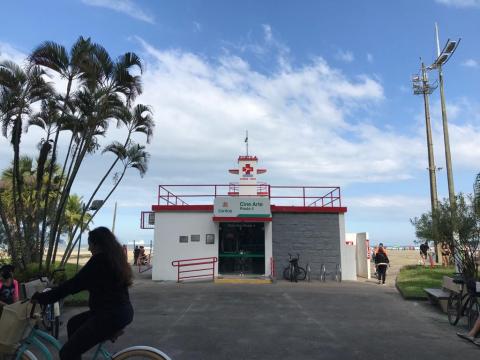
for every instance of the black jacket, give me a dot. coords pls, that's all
(381, 258)
(98, 278)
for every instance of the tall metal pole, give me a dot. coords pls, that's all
(446, 139)
(114, 217)
(431, 159)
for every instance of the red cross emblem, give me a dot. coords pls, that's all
(247, 169)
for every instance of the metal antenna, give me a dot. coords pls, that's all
(246, 140)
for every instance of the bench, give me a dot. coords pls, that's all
(440, 295)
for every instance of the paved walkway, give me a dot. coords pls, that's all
(288, 321)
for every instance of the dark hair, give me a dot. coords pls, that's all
(104, 240)
(6, 271)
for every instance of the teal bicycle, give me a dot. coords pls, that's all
(37, 341)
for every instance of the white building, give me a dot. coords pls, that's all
(247, 228)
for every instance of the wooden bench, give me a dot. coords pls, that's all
(440, 295)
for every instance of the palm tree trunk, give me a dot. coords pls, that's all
(66, 193)
(50, 172)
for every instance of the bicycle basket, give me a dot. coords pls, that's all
(31, 287)
(14, 321)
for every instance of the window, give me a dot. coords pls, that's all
(183, 239)
(194, 238)
(210, 239)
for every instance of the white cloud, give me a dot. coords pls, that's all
(460, 3)
(345, 56)
(299, 121)
(369, 58)
(470, 63)
(126, 7)
(7, 52)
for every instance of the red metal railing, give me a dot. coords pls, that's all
(316, 196)
(185, 267)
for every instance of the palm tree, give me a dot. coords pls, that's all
(70, 66)
(19, 89)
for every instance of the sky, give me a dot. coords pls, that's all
(323, 88)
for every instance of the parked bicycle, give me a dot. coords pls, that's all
(51, 312)
(463, 303)
(25, 318)
(293, 271)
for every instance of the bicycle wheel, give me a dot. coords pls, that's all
(286, 273)
(140, 352)
(473, 311)
(300, 273)
(293, 274)
(26, 355)
(454, 305)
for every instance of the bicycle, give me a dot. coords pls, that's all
(293, 271)
(463, 303)
(37, 337)
(51, 312)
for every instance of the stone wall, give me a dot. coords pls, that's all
(316, 237)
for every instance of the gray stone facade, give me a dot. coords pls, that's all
(316, 237)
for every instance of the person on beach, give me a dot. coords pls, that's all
(424, 252)
(381, 263)
(136, 254)
(107, 276)
(445, 250)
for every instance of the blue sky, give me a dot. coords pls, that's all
(323, 88)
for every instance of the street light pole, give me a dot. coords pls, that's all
(442, 57)
(431, 159)
(422, 86)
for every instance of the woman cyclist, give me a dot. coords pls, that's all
(107, 276)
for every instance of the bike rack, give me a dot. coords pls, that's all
(187, 264)
(337, 272)
(273, 274)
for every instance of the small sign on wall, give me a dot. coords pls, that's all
(194, 238)
(210, 239)
(183, 239)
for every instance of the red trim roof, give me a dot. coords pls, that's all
(274, 209)
(307, 209)
(203, 208)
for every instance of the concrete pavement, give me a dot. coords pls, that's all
(288, 321)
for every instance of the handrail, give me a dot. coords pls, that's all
(185, 263)
(276, 193)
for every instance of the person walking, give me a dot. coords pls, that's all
(381, 262)
(136, 254)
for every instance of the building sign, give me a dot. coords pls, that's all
(242, 207)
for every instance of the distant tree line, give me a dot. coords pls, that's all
(37, 207)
